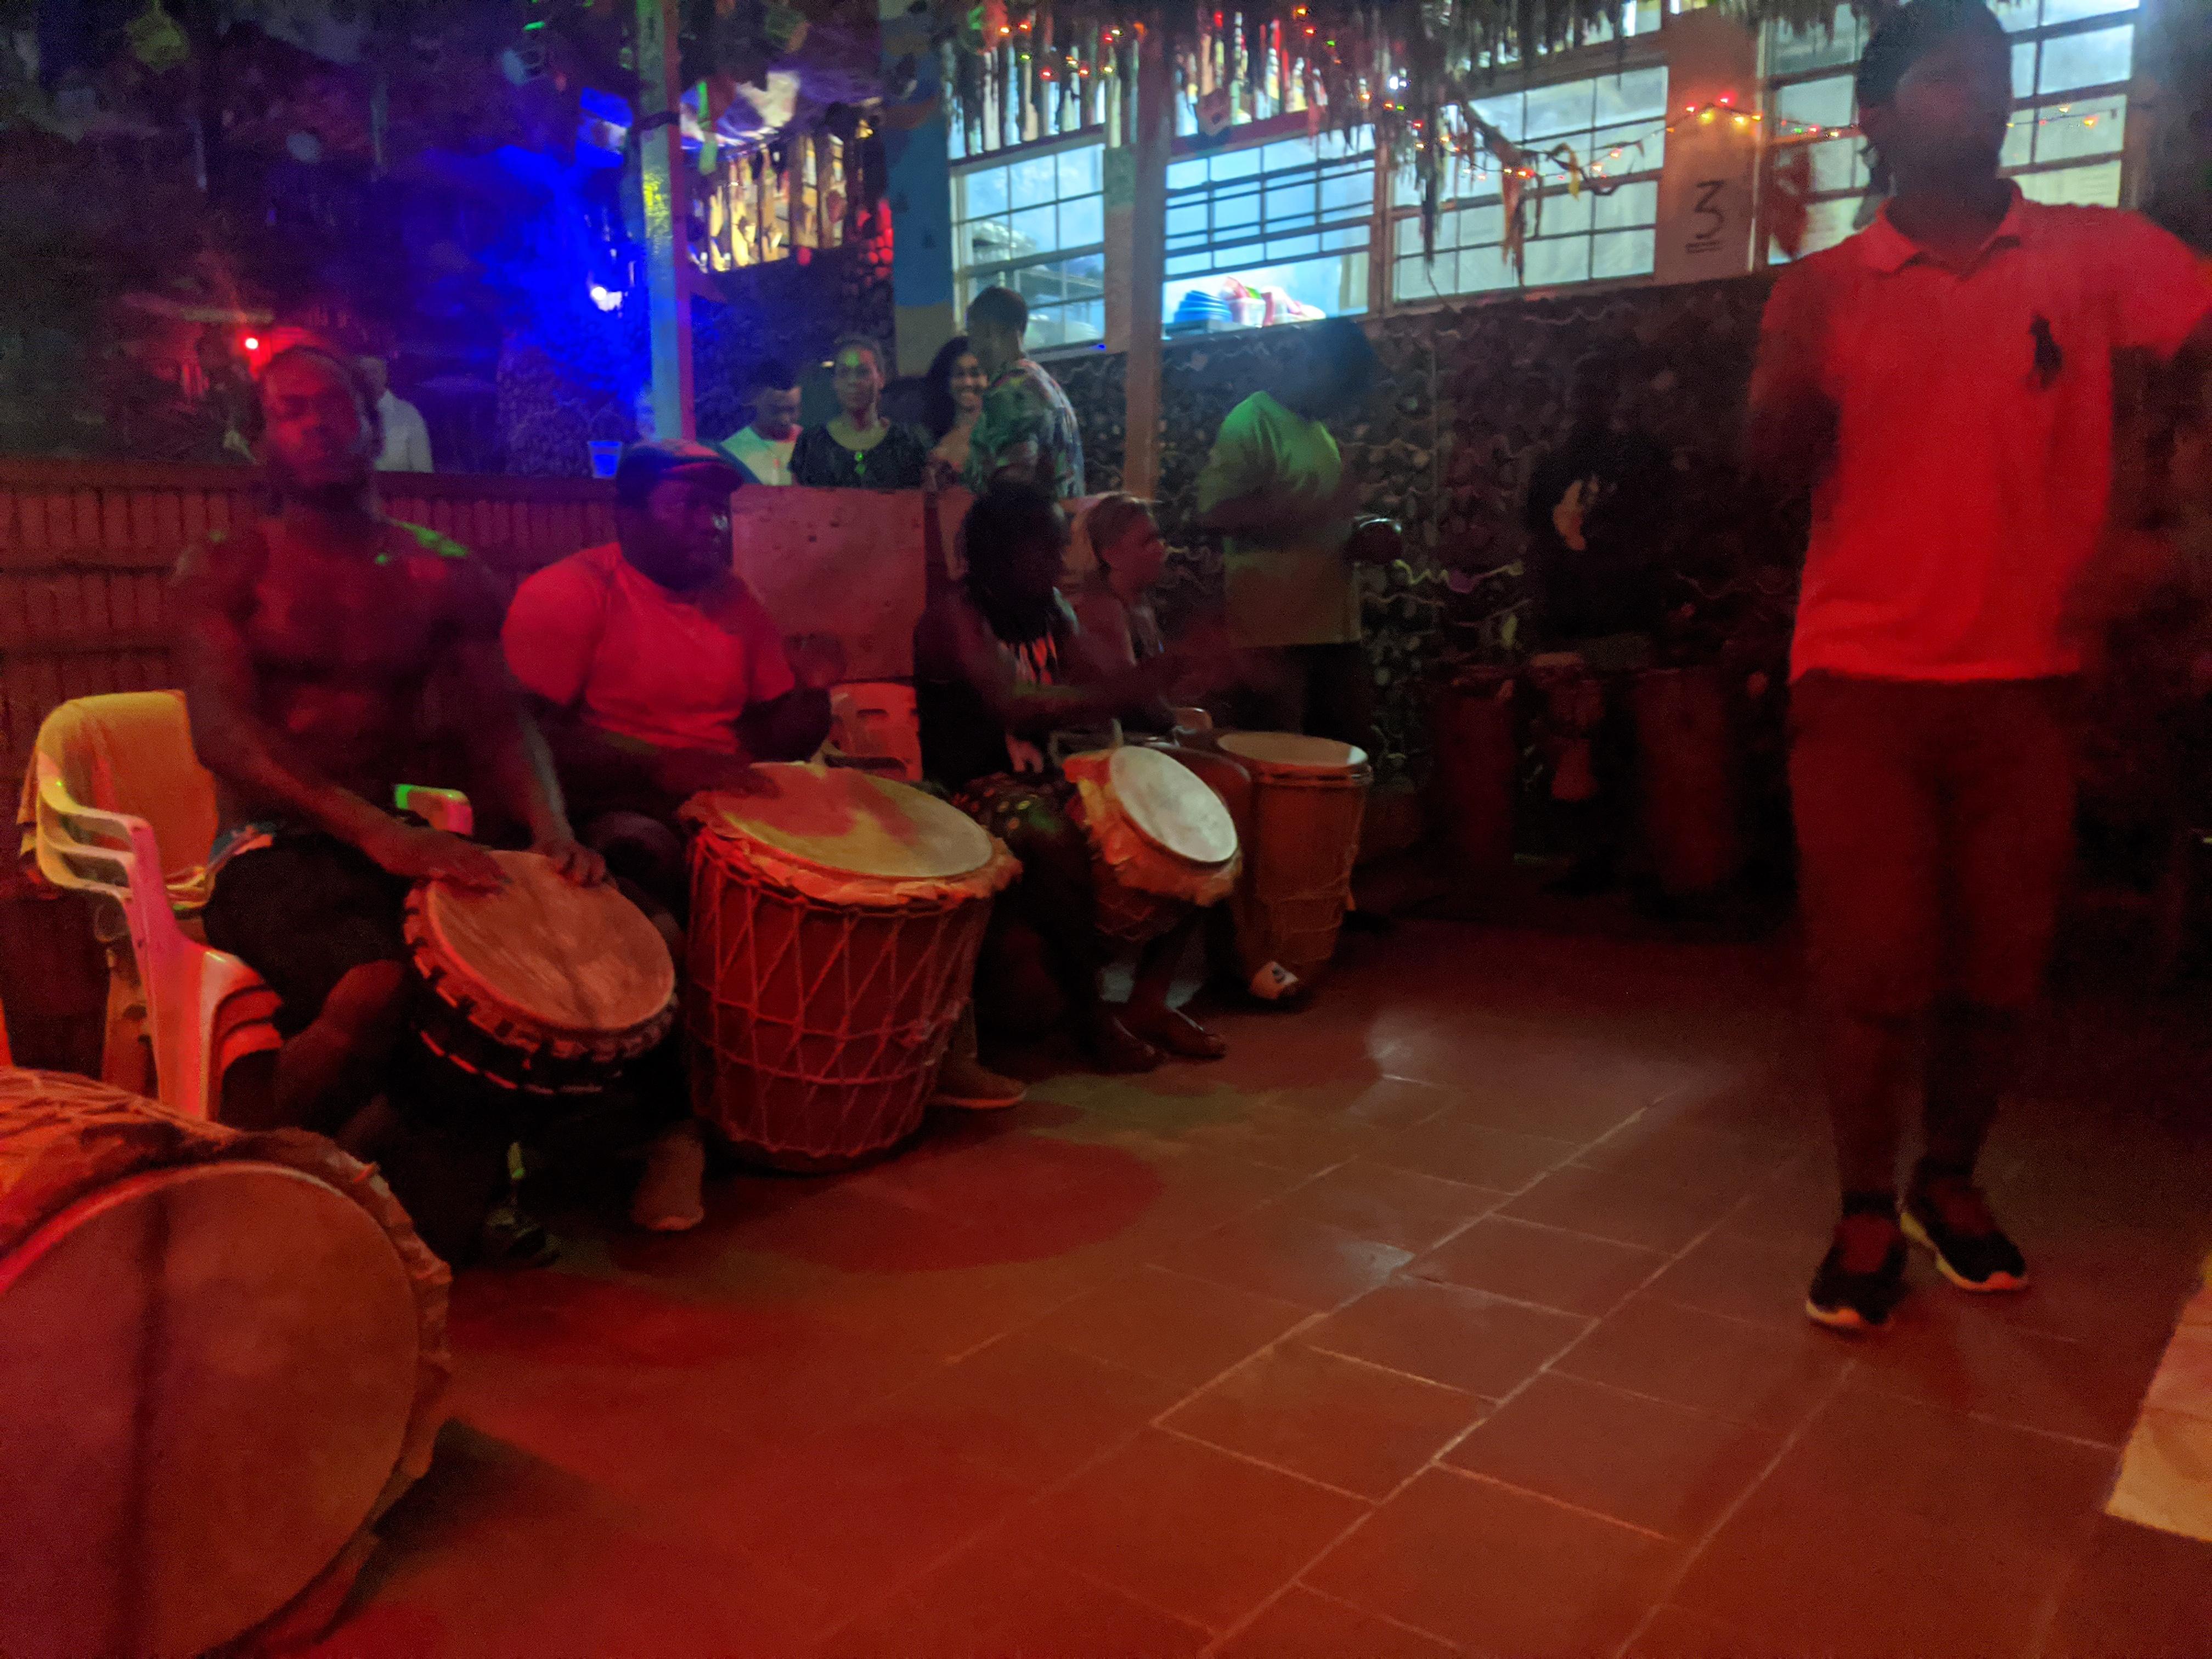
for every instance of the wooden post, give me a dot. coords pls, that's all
(667, 245)
(1148, 244)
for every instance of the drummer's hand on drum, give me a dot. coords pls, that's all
(573, 859)
(684, 773)
(416, 853)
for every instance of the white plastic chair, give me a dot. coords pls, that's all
(202, 1010)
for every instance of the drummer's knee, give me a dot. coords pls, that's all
(368, 1007)
(639, 850)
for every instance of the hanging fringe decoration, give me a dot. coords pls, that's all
(1405, 70)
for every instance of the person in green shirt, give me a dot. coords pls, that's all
(1280, 493)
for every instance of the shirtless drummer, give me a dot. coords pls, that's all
(313, 646)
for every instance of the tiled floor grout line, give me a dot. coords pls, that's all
(1379, 1618)
(1699, 1545)
(1545, 1497)
(1188, 1438)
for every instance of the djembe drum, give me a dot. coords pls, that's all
(543, 988)
(835, 922)
(1161, 841)
(222, 1356)
(1309, 797)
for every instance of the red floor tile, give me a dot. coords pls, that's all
(1391, 1207)
(1690, 1158)
(1304, 1626)
(1339, 1421)
(1651, 1465)
(1619, 1206)
(1671, 1633)
(1456, 1150)
(1551, 1267)
(1769, 1379)
(1892, 1526)
(1755, 1279)
(1170, 1325)
(1288, 1257)
(1498, 1571)
(1032, 1412)
(995, 1599)
(2136, 1594)
(1200, 1534)
(1447, 1333)
(1950, 1349)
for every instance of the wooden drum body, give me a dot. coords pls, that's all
(222, 1357)
(835, 922)
(1161, 840)
(1308, 798)
(544, 988)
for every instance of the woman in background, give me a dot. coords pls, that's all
(859, 449)
(955, 388)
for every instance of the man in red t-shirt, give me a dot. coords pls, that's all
(1942, 384)
(655, 674)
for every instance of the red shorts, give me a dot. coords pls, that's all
(1935, 829)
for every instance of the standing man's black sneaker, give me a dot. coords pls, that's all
(1947, 1215)
(1862, 1276)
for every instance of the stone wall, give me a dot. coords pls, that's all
(1474, 396)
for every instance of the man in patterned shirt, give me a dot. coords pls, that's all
(1027, 432)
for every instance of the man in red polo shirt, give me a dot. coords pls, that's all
(1942, 384)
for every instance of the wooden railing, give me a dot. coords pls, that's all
(86, 548)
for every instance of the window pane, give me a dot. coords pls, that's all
(1407, 238)
(1181, 175)
(2019, 148)
(1824, 103)
(1558, 109)
(1837, 164)
(1233, 164)
(1286, 153)
(1292, 247)
(1348, 192)
(1415, 280)
(2095, 126)
(2015, 14)
(2023, 70)
(1623, 253)
(981, 192)
(1079, 169)
(2089, 186)
(1563, 213)
(1187, 219)
(2087, 60)
(1550, 262)
(1483, 270)
(1033, 231)
(1236, 213)
(1631, 204)
(1794, 49)
(1083, 222)
(2066, 11)
(1631, 97)
(1033, 181)
(1504, 113)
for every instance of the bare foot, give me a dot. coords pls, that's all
(668, 1198)
(1174, 1031)
(1117, 1048)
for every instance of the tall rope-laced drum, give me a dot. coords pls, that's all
(1309, 796)
(1161, 841)
(543, 988)
(222, 1356)
(836, 917)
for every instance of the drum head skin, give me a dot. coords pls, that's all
(1287, 751)
(209, 1372)
(835, 818)
(572, 959)
(1171, 806)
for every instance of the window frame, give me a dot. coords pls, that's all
(995, 269)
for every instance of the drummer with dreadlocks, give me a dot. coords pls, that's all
(1001, 665)
(1941, 385)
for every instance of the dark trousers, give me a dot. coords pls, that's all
(1935, 830)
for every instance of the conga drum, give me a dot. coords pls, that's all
(1161, 841)
(836, 917)
(222, 1357)
(543, 988)
(1309, 796)
(1687, 759)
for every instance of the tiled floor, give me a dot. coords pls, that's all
(1458, 1313)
